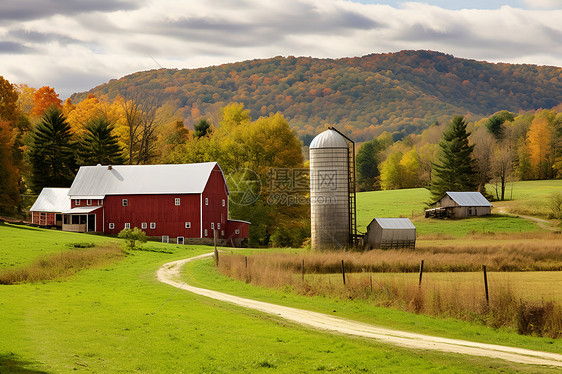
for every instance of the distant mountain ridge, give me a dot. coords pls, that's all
(401, 92)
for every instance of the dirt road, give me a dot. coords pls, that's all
(170, 273)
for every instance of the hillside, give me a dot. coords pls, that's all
(395, 92)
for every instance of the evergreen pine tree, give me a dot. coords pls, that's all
(99, 145)
(51, 152)
(455, 168)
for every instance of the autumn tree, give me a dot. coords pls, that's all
(8, 102)
(495, 123)
(391, 172)
(484, 144)
(9, 174)
(99, 145)
(410, 166)
(202, 127)
(539, 147)
(43, 99)
(51, 152)
(455, 167)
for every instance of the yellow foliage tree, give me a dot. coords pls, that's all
(539, 147)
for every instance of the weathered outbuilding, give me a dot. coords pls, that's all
(386, 233)
(47, 209)
(460, 205)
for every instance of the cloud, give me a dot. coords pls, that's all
(40, 37)
(8, 47)
(26, 10)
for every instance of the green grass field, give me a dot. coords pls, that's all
(120, 319)
(530, 197)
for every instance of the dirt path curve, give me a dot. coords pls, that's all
(542, 223)
(170, 273)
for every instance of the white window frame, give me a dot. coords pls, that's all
(222, 232)
(206, 232)
(237, 231)
(165, 239)
(152, 225)
(212, 225)
(89, 202)
(125, 202)
(206, 201)
(144, 225)
(223, 202)
(218, 225)
(111, 225)
(177, 201)
(180, 238)
(77, 202)
(127, 225)
(188, 225)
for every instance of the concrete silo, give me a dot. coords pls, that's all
(332, 191)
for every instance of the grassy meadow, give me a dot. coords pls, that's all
(119, 318)
(529, 198)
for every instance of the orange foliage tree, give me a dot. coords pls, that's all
(43, 99)
(539, 147)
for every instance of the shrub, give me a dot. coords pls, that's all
(131, 238)
(556, 205)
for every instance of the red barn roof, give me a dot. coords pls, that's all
(95, 182)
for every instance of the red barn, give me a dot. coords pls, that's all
(178, 202)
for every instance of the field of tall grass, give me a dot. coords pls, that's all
(378, 276)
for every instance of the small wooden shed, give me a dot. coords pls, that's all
(461, 204)
(387, 233)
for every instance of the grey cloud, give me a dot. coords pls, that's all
(301, 19)
(25, 10)
(419, 32)
(14, 48)
(40, 37)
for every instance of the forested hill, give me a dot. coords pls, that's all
(395, 92)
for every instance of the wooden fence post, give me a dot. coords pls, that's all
(371, 281)
(343, 272)
(486, 285)
(421, 273)
(246, 261)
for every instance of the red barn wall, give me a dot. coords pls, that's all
(44, 218)
(216, 193)
(160, 209)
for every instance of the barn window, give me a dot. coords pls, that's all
(222, 232)
(206, 201)
(111, 225)
(206, 233)
(143, 225)
(237, 231)
(223, 202)
(77, 201)
(218, 225)
(125, 202)
(89, 202)
(180, 240)
(188, 225)
(165, 239)
(127, 225)
(212, 225)
(177, 201)
(153, 225)
(469, 211)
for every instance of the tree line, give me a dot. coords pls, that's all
(503, 147)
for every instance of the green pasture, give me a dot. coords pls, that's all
(528, 197)
(121, 319)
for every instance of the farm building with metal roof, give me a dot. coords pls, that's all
(386, 233)
(47, 209)
(460, 205)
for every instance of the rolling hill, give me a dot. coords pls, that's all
(400, 92)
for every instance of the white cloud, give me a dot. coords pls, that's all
(83, 47)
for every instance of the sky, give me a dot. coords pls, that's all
(75, 45)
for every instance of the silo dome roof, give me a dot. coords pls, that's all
(328, 139)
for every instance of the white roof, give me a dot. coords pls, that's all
(469, 198)
(328, 139)
(394, 223)
(81, 209)
(51, 200)
(98, 181)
